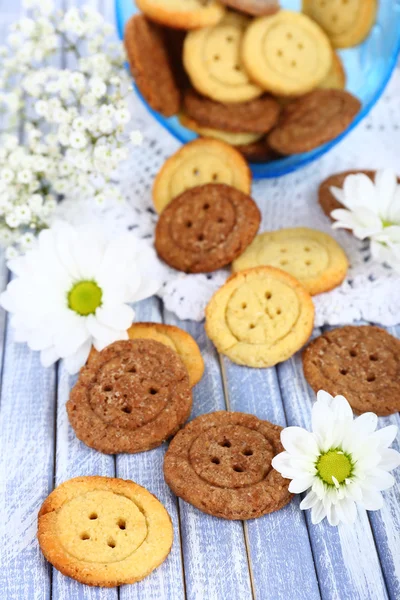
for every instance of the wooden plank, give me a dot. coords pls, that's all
(146, 469)
(214, 550)
(346, 559)
(385, 523)
(278, 544)
(26, 468)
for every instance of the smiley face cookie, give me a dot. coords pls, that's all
(130, 397)
(287, 54)
(104, 531)
(347, 22)
(197, 163)
(360, 363)
(312, 257)
(182, 14)
(260, 317)
(229, 137)
(206, 227)
(212, 60)
(221, 463)
(312, 120)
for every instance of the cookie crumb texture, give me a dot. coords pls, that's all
(221, 463)
(260, 317)
(130, 397)
(361, 363)
(104, 531)
(313, 257)
(206, 227)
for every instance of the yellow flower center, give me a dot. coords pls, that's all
(85, 297)
(334, 463)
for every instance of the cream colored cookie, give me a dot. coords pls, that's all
(260, 317)
(199, 162)
(312, 257)
(229, 137)
(182, 14)
(211, 57)
(177, 339)
(347, 22)
(104, 531)
(336, 78)
(287, 54)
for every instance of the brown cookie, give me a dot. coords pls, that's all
(206, 227)
(254, 7)
(312, 120)
(360, 363)
(255, 116)
(130, 397)
(221, 463)
(150, 65)
(258, 152)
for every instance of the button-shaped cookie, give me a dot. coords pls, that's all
(347, 22)
(287, 54)
(336, 78)
(260, 317)
(221, 463)
(197, 163)
(182, 14)
(104, 531)
(312, 120)
(206, 227)
(130, 397)
(360, 363)
(254, 7)
(212, 60)
(311, 256)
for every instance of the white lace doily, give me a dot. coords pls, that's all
(370, 292)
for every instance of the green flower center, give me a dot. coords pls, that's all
(334, 463)
(85, 297)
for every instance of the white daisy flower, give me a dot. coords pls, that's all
(72, 291)
(343, 462)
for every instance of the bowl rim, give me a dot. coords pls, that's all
(288, 164)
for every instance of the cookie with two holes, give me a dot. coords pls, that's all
(362, 363)
(104, 531)
(221, 463)
(206, 227)
(130, 397)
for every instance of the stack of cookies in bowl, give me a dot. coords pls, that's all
(265, 80)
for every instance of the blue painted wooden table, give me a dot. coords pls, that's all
(281, 556)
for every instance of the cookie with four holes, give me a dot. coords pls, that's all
(197, 163)
(287, 54)
(254, 7)
(312, 120)
(104, 531)
(206, 227)
(347, 22)
(212, 60)
(361, 363)
(150, 65)
(229, 137)
(311, 256)
(221, 463)
(175, 338)
(130, 397)
(182, 14)
(260, 317)
(255, 116)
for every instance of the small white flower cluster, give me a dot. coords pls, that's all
(74, 120)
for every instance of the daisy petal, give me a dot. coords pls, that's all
(318, 512)
(77, 360)
(48, 357)
(309, 501)
(283, 464)
(301, 484)
(390, 459)
(332, 515)
(372, 500)
(347, 510)
(116, 317)
(384, 437)
(365, 424)
(298, 441)
(379, 480)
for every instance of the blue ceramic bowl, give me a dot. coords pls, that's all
(368, 69)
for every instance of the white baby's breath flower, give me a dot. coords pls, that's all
(76, 292)
(136, 138)
(122, 116)
(77, 81)
(25, 176)
(106, 125)
(7, 175)
(98, 87)
(11, 253)
(343, 462)
(12, 220)
(23, 213)
(26, 241)
(35, 202)
(78, 140)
